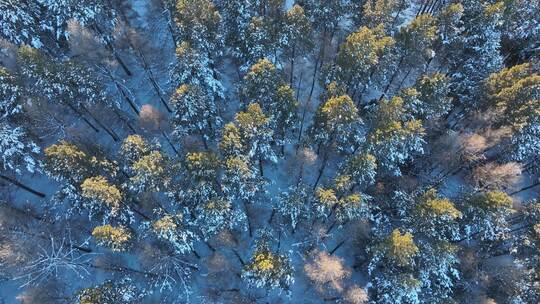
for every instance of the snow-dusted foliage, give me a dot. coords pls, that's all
(123, 291)
(32, 22)
(175, 230)
(56, 81)
(194, 67)
(394, 140)
(486, 214)
(242, 179)
(294, 204)
(268, 269)
(17, 151)
(194, 112)
(479, 49)
(337, 124)
(216, 215)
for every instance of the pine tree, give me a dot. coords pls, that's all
(60, 81)
(361, 169)
(241, 179)
(231, 141)
(268, 269)
(337, 125)
(261, 84)
(392, 268)
(151, 173)
(175, 230)
(514, 92)
(199, 24)
(325, 15)
(216, 215)
(17, 150)
(236, 18)
(20, 22)
(436, 217)
(429, 98)
(103, 198)
(363, 53)
(480, 52)
(485, 215)
(124, 291)
(380, 12)
(116, 238)
(297, 36)
(255, 133)
(201, 173)
(65, 162)
(294, 204)
(194, 113)
(415, 42)
(392, 140)
(193, 67)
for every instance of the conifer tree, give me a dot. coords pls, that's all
(392, 268)
(480, 53)
(394, 141)
(485, 215)
(116, 238)
(124, 291)
(337, 125)
(175, 230)
(198, 22)
(193, 67)
(268, 269)
(194, 112)
(514, 92)
(216, 215)
(256, 134)
(364, 52)
(294, 204)
(297, 36)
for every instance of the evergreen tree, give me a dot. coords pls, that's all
(241, 179)
(124, 291)
(198, 22)
(175, 230)
(337, 125)
(361, 169)
(415, 42)
(295, 204)
(485, 215)
(392, 268)
(394, 141)
(149, 173)
(217, 214)
(515, 93)
(380, 12)
(364, 52)
(194, 113)
(429, 98)
(268, 269)
(194, 67)
(255, 133)
(236, 18)
(261, 84)
(480, 50)
(297, 36)
(103, 198)
(116, 238)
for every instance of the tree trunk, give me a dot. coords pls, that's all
(321, 170)
(246, 210)
(22, 186)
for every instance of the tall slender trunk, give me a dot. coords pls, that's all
(81, 116)
(170, 143)
(22, 186)
(246, 210)
(321, 170)
(292, 67)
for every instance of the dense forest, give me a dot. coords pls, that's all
(269, 151)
